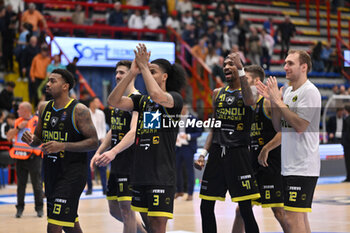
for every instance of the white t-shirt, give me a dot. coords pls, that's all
(99, 120)
(300, 152)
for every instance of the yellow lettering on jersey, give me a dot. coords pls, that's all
(155, 200)
(293, 196)
(56, 209)
(51, 135)
(246, 184)
(47, 116)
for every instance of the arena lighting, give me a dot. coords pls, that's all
(94, 52)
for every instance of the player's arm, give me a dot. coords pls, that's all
(85, 127)
(116, 98)
(264, 153)
(34, 140)
(249, 94)
(106, 143)
(125, 143)
(199, 163)
(154, 90)
(292, 118)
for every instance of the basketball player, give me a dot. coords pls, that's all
(297, 116)
(153, 178)
(66, 133)
(265, 153)
(229, 167)
(120, 138)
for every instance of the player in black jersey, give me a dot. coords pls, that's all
(66, 133)
(265, 153)
(153, 175)
(229, 167)
(120, 139)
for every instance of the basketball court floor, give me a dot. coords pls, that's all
(331, 212)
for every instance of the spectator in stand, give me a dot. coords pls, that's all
(188, 35)
(42, 95)
(72, 67)
(5, 158)
(116, 18)
(334, 126)
(30, 51)
(326, 57)
(204, 17)
(2, 26)
(78, 18)
(226, 42)
(38, 70)
(6, 97)
(267, 43)
(211, 35)
(183, 6)
(135, 20)
(212, 58)
(200, 51)
(286, 31)
(134, 2)
(173, 22)
(221, 11)
(8, 38)
(33, 17)
(317, 62)
(85, 98)
(153, 22)
(243, 27)
(268, 26)
(228, 21)
(218, 72)
(254, 47)
(187, 18)
(24, 36)
(236, 13)
(342, 90)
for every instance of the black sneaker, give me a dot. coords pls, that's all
(88, 192)
(19, 213)
(40, 213)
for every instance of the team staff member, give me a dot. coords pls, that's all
(153, 178)
(66, 133)
(28, 159)
(265, 153)
(120, 138)
(229, 167)
(298, 117)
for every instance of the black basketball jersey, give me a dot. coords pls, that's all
(64, 168)
(235, 119)
(157, 129)
(262, 131)
(120, 126)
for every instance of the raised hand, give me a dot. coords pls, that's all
(274, 93)
(236, 60)
(142, 55)
(262, 89)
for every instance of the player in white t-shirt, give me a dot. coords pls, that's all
(297, 115)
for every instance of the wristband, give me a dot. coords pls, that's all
(241, 73)
(204, 153)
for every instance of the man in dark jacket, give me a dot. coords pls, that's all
(6, 96)
(334, 126)
(287, 31)
(346, 142)
(186, 147)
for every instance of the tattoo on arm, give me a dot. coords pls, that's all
(247, 94)
(169, 102)
(86, 128)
